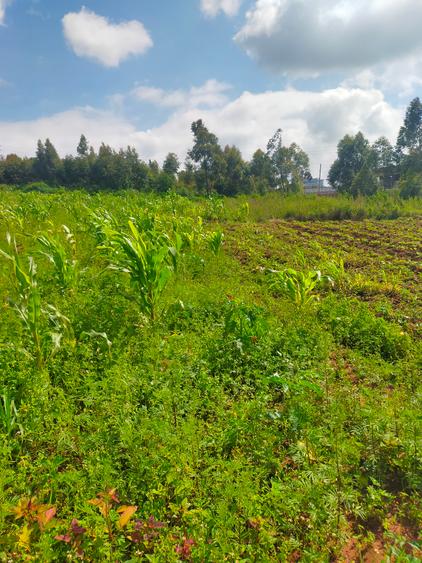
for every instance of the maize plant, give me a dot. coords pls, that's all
(185, 235)
(175, 249)
(299, 287)
(9, 417)
(45, 337)
(12, 217)
(102, 225)
(215, 242)
(336, 270)
(66, 268)
(146, 260)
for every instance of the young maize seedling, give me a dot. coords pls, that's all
(215, 242)
(45, 337)
(146, 260)
(9, 417)
(298, 287)
(66, 269)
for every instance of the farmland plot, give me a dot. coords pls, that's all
(176, 385)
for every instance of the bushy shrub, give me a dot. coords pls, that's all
(355, 326)
(365, 182)
(411, 186)
(40, 187)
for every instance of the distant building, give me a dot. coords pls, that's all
(388, 176)
(316, 186)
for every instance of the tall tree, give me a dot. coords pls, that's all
(384, 153)
(136, 169)
(154, 167)
(409, 142)
(386, 161)
(287, 162)
(235, 172)
(352, 153)
(275, 155)
(365, 182)
(104, 170)
(410, 134)
(47, 164)
(187, 175)
(260, 171)
(207, 153)
(83, 147)
(297, 162)
(171, 164)
(15, 170)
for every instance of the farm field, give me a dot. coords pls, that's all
(198, 381)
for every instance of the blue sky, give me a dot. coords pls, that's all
(139, 71)
(45, 75)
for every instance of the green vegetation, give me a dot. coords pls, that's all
(209, 379)
(360, 169)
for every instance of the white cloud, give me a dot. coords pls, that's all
(315, 120)
(299, 37)
(210, 94)
(3, 6)
(64, 130)
(159, 97)
(95, 37)
(402, 77)
(212, 8)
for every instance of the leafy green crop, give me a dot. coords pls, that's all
(298, 287)
(215, 241)
(210, 409)
(66, 268)
(9, 416)
(146, 261)
(45, 338)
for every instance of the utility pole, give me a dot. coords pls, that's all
(319, 179)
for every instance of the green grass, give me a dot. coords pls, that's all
(385, 205)
(242, 425)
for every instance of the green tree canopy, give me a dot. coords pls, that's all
(47, 163)
(365, 182)
(410, 134)
(83, 148)
(286, 162)
(207, 154)
(384, 153)
(352, 154)
(171, 164)
(235, 172)
(15, 170)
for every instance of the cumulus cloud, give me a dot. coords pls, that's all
(210, 94)
(95, 37)
(402, 77)
(3, 6)
(212, 8)
(314, 120)
(292, 36)
(64, 129)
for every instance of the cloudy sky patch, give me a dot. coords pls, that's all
(293, 36)
(138, 73)
(95, 37)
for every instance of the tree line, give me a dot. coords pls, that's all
(208, 167)
(360, 167)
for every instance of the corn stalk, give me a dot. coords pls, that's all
(66, 268)
(298, 287)
(146, 260)
(28, 306)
